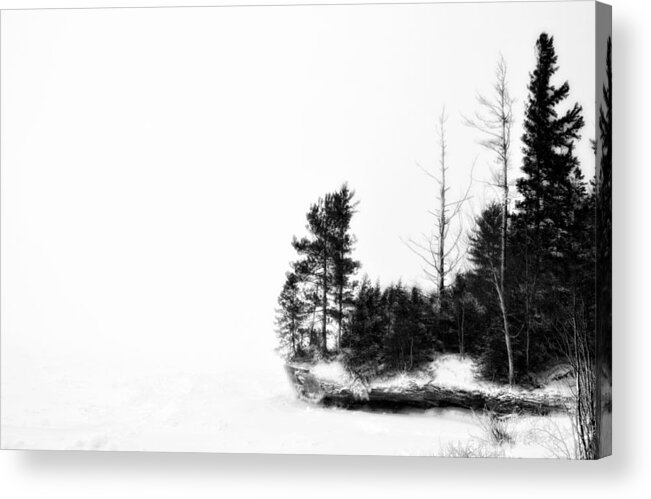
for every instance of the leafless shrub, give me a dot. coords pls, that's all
(472, 448)
(574, 343)
(496, 427)
(560, 442)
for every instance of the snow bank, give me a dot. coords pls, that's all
(447, 371)
(454, 371)
(333, 372)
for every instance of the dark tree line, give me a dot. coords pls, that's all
(528, 299)
(390, 329)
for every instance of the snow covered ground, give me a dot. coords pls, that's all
(251, 410)
(446, 370)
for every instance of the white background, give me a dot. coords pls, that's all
(110, 474)
(179, 149)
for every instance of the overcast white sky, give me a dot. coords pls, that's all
(156, 163)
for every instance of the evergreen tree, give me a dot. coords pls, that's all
(464, 307)
(290, 316)
(340, 209)
(363, 339)
(316, 262)
(389, 329)
(549, 162)
(326, 261)
(551, 185)
(398, 334)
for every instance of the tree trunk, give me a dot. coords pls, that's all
(442, 221)
(527, 309)
(461, 326)
(324, 316)
(505, 220)
(505, 214)
(313, 336)
(507, 336)
(324, 308)
(496, 124)
(411, 353)
(341, 315)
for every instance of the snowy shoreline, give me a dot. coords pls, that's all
(449, 381)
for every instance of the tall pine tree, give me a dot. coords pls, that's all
(316, 263)
(340, 209)
(326, 262)
(552, 182)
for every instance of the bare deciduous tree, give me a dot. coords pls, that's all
(494, 121)
(441, 250)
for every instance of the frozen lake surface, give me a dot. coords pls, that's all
(250, 410)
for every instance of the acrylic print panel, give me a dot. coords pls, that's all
(223, 231)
